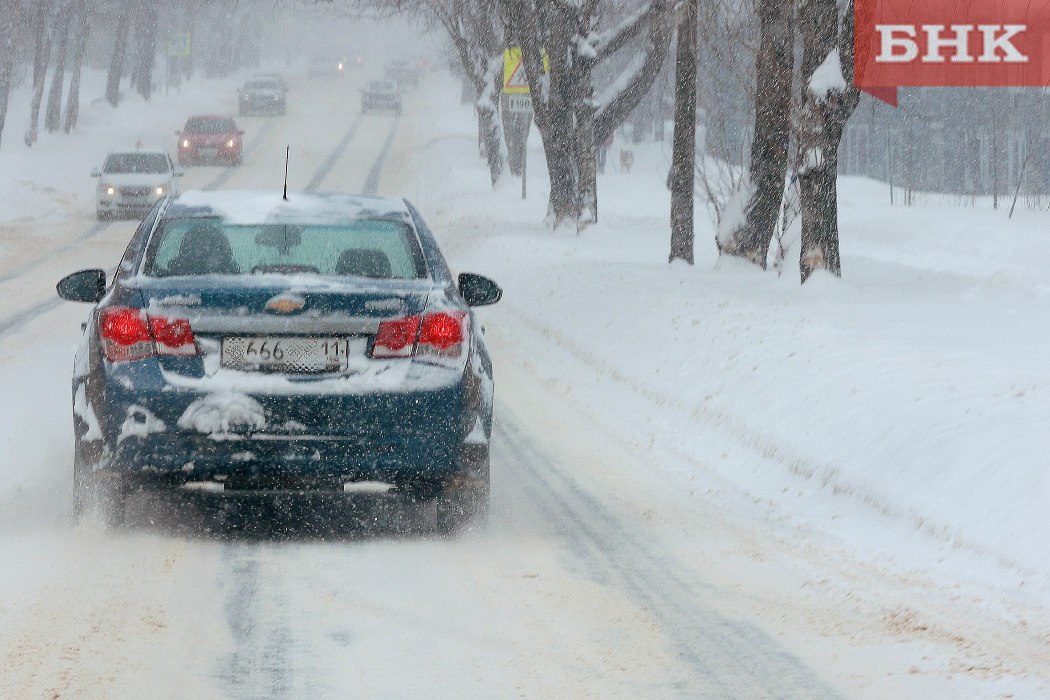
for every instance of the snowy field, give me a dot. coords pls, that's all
(708, 481)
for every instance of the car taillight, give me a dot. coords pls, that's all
(396, 337)
(125, 334)
(442, 340)
(172, 336)
(129, 334)
(436, 338)
(442, 331)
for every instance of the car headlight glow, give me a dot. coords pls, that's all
(185, 143)
(229, 144)
(111, 190)
(340, 66)
(160, 190)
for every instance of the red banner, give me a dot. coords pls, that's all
(950, 43)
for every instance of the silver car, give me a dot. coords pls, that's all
(131, 183)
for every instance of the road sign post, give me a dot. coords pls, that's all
(518, 98)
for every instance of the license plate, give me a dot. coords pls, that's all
(286, 354)
(210, 151)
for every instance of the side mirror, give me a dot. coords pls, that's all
(96, 173)
(477, 290)
(86, 285)
(241, 132)
(178, 132)
(179, 173)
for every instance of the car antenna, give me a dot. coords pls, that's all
(287, 150)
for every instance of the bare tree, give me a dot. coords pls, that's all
(81, 30)
(828, 99)
(749, 236)
(683, 160)
(41, 59)
(63, 22)
(11, 12)
(146, 27)
(116, 61)
(571, 117)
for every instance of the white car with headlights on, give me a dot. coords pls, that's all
(130, 183)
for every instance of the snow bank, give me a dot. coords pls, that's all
(901, 409)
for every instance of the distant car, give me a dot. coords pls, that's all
(262, 96)
(403, 73)
(321, 66)
(210, 139)
(275, 77)
(254, 345)
(131, 182)
(382, 95)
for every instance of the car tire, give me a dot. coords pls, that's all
(466, 502)
(101, 215)
(106, 496)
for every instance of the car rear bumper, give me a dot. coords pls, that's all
(262, 107)
(224, 154)
(396, 437)
(380, 103)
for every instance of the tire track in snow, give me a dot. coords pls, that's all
(761, 444)
(372, 181)
(727, 658)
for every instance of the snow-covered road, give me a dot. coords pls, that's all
(601, 574)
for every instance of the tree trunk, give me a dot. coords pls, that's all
(81, 30)
(683, 156)
(583, 60)
(769, 146)
(570, 119)
(11, 13)
(147, 30)
(41, 59)
(552, 102)
(116, 61)
(53, 115)
(826, 41)
(489, 119)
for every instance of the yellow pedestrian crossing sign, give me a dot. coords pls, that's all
(514, 80)
(179, 45)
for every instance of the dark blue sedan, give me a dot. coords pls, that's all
(254, 344)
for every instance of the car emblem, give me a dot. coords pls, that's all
(285, 304)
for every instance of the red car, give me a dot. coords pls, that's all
(210, 139)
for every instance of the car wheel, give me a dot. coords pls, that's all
(101, 215)
(464, 500)
(106, 495)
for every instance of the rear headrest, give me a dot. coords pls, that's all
(363, 262)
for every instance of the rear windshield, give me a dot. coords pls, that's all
(262, 85)
(382, 86)
(136, 163)
(209, 125)
(376, 248)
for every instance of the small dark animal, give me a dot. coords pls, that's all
(626, 160)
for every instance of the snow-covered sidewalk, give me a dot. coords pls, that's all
(901, 410)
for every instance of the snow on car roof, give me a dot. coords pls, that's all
(255, 207)
(141, 152)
